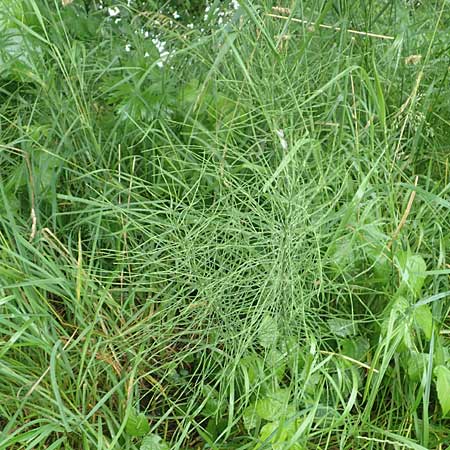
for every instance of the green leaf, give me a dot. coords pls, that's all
(355, 348)
(424, 320)
(412, 270)
(153, 442)
(212, 405)
(441, 352)
(274, 405)
(417, 363)
(277, 433)
(342, 327)
(269, 429)
(443, 388)
(396, 309)
(295, 356)
(250, 418)
(275, 361)
(252, 367)
(398, 321)
(268, 331)
(137, 424)
(17, 47)
(215, 427)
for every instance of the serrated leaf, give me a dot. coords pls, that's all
(355, 348)
(268, 331)
(398, 321)
(154, 442)
(417, 362)
(295, 356)
(275, 361)
(396, 310)
(441, 352)
(443, 388)
(250, 418)
(274, 405)
(412, 270)
(278, 433)
(137, 424)
(212, 404)
(253, 368)
(424, 320)
(341, 327)
(269, 432)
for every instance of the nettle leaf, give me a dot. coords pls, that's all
(417, 363)
(398, 320)
(342, 327)
(212, 405)
(355, 348)
(46, 168)
(137, 424)
(382, 265)
(311, 383)
(441, 352)
(344, 256)
(274, 405)
(277, 433)
(154, 442)
(295, 356)
(396, 309)
(412, 270)
(250, 418)
(424, 320)
(271, 432)
(276, 362)
(443, 388)
(252, 367)
(268, 331)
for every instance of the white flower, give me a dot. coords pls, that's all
(235, 4)
(176, 15)
(163, 53)
(190, 26)
(113, 12)
(128, 47)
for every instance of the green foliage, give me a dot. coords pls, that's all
(153, 442)
(137, 424)
(268, 332)
(443, 388)
(424, 320)
(412, 270)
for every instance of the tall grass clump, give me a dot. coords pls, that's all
(224, 225)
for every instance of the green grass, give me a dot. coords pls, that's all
(246, 248)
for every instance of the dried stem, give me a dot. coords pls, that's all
(405, 215)
(328, 27)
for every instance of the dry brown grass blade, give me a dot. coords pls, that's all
(321, 25)
(405, 215)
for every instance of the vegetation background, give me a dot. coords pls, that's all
(224, 225)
